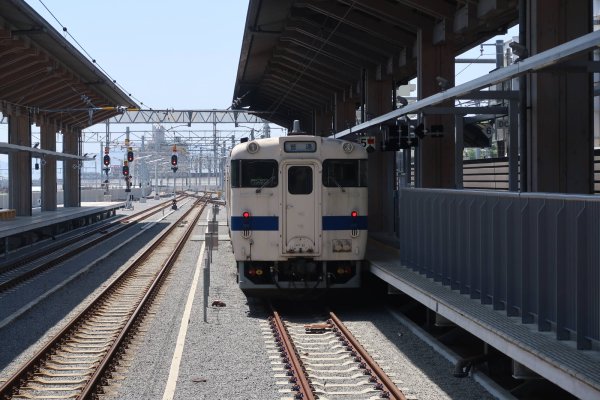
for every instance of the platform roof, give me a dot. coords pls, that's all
(41, 71)
(297, 55)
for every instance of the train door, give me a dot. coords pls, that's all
(301, 210)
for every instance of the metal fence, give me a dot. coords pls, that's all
(492, 173)
(535, 256)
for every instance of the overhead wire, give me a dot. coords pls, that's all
(92, 59)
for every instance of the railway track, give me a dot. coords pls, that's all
(30, 265)
(77, 362)
(325, 361)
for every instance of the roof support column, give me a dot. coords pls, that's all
(561, 143)
(72, 194)
(19, 164)
(382, 164)
(48, 167)
(435, 154)
(345, 112)
(323, 123)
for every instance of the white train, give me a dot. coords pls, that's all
(297, 212)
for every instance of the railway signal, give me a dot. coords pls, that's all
(106, 160)
(174, 161)
(130, 154)
(125, 169)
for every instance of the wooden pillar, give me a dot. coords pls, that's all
(435, 155)
(19, 163)
(345, 111)
(48, 167)
(560, 153)
(323, 123)
(71, 171)
(382, 164)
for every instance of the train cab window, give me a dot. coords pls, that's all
(254, 173)
(300, 180)
(345, 173)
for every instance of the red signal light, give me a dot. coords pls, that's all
(354, 214)
(246, 214)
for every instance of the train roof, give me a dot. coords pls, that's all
(272, 148)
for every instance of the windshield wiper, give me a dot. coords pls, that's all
(258, 190)
(338, 185)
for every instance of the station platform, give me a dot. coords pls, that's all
(19, 232)
(577, 371)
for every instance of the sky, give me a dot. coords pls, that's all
(180, 54)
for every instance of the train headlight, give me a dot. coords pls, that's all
(348, 147)
(252, 147)
(341, 245)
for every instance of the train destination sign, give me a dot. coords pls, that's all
(300, 147)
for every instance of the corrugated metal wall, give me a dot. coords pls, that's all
(536, 256)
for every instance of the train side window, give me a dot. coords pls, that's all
(234, 173)
(258, 173)
(300, 180)
(345, 173)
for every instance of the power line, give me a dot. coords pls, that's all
(66, 32)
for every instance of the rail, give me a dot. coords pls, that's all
(90, 384)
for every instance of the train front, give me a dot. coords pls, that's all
(298, 213)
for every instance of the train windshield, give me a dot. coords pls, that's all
(345, 173)
(300, 180)
(254, 173)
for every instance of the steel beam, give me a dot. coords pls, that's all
(186, 117)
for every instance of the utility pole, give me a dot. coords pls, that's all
(215, 147)
(106, 153)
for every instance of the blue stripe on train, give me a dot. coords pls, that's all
(344, 222)
(330, 223)
(255, 223)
